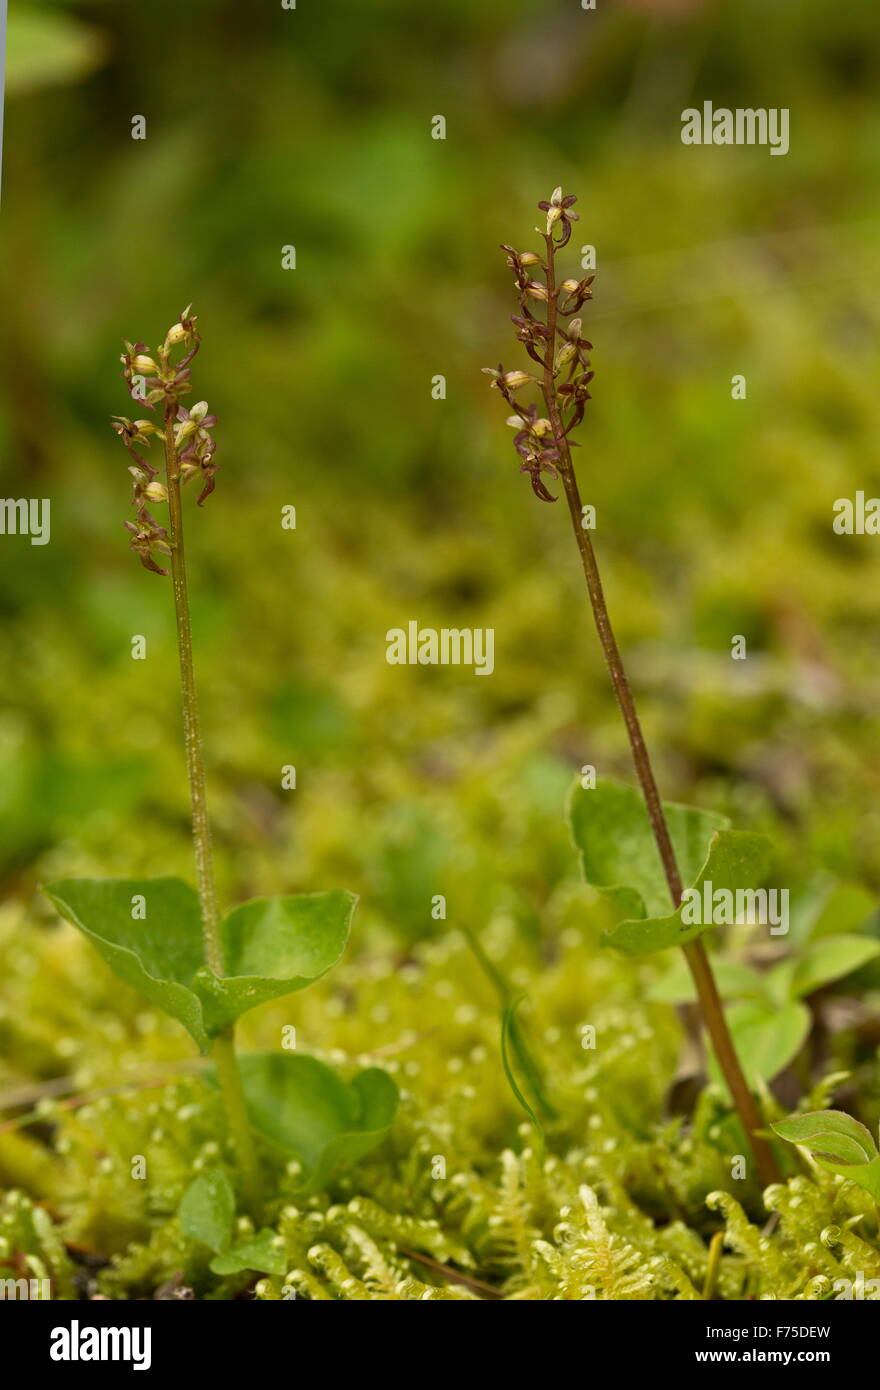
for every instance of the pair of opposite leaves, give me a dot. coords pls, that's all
(275, 946)
(271, 947)
(612, 834)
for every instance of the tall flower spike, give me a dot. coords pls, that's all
(565, 378)
(544, 448)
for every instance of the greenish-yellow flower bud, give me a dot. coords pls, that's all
(515, 379)
(565, 354)
(176, 334)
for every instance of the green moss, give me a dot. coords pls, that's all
(623, 1205)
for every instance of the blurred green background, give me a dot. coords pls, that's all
(312, 127)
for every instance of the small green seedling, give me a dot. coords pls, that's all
(207, 1216)
(641, 853)
(765, 1009)
(516, 1051)
(171, 942)
(838, 1143)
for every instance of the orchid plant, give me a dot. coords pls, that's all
(172, 942)
(640, 852)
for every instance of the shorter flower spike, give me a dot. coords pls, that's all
(165, 381)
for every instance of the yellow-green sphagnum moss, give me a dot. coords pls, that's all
(623, 1206)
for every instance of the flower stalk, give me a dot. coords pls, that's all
(544, 445)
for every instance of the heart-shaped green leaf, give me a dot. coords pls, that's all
(618, 855)
(207, 1209)
(272, 947)
(306, 1109)
(833, 1133)
(766, 1037)
(149, 932)
(263, 1252)
(158, 953)
(830, 958)
(838, 1143)
(827, 908)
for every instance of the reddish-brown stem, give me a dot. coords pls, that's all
(695, 952)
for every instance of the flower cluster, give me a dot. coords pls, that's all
(189, 447)
(555, 343)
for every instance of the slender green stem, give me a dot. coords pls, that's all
(228, 1074)
(235, 1106)
(695, 952)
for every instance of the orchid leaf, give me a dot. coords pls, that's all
(149, 932)
(305, 1109)
(831, 958)
(619, 857)
(273, 947)
(838, 1143)
(834, 1133)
